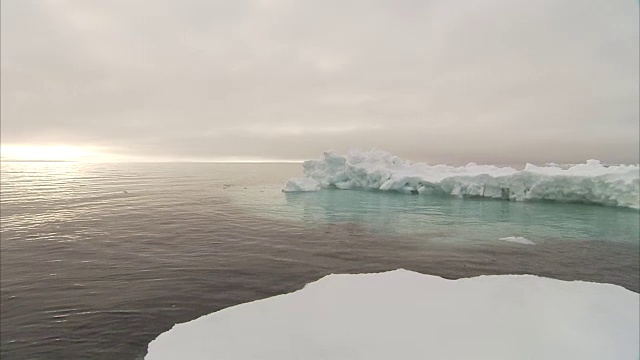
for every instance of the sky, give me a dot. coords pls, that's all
(491, 81)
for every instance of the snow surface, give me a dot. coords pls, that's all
(406, 315)
(518, 239)
(592, 182)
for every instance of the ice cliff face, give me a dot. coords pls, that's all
(591, 182)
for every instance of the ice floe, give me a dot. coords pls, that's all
(406, 315)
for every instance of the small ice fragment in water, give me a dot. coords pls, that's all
(518, 239)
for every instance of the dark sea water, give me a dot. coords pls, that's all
(96, 260)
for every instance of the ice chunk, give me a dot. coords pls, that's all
(518, 239)
(301, 184)
(406, 315)
(592, 182)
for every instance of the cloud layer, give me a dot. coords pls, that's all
(493, 81)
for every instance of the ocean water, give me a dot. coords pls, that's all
(96, 260)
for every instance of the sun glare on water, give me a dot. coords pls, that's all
(49, 153)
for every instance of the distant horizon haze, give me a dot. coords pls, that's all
(499, 82)
(41, 155)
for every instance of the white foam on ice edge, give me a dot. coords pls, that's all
(406, 315)
(518, 239)
(592, 182)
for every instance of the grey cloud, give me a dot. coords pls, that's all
(492, 81)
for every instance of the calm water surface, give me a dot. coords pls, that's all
(98, 259)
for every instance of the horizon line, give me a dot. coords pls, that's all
(156, 161)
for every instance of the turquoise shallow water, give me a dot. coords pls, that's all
(444, 218)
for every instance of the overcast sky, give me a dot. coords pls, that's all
(497, 81)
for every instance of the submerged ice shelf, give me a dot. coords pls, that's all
(406, 315)
(591, 182)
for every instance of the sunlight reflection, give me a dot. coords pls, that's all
(51, 153)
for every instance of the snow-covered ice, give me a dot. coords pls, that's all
(301, 184)
(592, 182)
(406, 315)
(518, 239)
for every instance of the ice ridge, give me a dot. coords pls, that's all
(591, 182)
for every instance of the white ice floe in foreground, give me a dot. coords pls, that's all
(406, 315)
(591, 182)
(518, 239)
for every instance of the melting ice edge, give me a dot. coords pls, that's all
(591, 182)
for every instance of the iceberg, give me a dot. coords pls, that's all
(406, 315)
(591, 182)
(301, 184)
